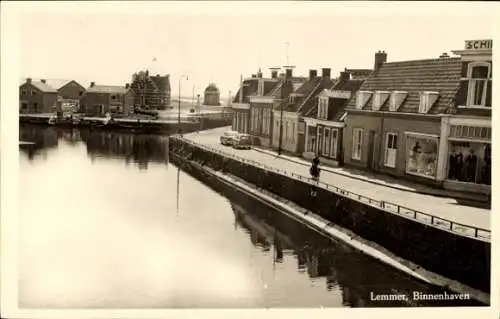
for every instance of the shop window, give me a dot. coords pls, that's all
(469, 162)
(422, 154)
(478, 74)
(319, 140)
(391, 147)
(333, 145)
(357, 143)
(326, 142)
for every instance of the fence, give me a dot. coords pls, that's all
(425, 218)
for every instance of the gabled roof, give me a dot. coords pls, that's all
(336, 107)
(310, 90)
(162, 83)
(251, 87)
(441, 75)
(44, 87)
(107, 89)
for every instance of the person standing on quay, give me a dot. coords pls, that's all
(315, 171)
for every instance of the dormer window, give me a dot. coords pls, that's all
(478, 74)
(323, 108)
(427, 100)
(361, 98)
(397, 98)
(379, 99)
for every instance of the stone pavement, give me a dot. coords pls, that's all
(443, 207)
(385, 180)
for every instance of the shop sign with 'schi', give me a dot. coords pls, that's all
(478, 44)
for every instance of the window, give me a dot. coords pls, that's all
(361, 99)
(291, 99)
(293, 131)
(326, 142)
(357, 139)
(479, 74)
(397, 97)
(33, 93)
(427, 99)
(323, 108)
(379, 99)
(24, 106)
(23, 92)
(334, 140)
(391, 146)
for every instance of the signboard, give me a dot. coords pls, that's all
(478, 44)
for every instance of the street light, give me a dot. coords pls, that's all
(179, 109)
(282, 102)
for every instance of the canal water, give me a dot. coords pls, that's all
(107, 222)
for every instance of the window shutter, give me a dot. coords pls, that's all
(488, 93)
(461, 98)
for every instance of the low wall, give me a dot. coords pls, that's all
(457, 257)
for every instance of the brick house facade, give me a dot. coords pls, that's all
(37, 97)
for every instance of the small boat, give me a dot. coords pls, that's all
(22, 143)
(52, 120)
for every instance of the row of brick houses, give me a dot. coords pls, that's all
(49, 96)
(426, 120)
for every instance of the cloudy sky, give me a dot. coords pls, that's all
(217, 42)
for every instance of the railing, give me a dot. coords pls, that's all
(424, 218)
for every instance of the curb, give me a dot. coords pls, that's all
(433, 193)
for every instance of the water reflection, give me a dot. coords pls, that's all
(340, 266)
(219, 248)
(44, 138)
(140, 149)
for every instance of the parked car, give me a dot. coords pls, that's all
(228, 137)
(242, 141)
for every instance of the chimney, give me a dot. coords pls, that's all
(444, 55)
(92, 84)
(259, 74)
(28, 80)
(147, 72)
(325, 73)
(313, 74)
(274, 73)
(380, 58)
(43, 81)
(345, 75)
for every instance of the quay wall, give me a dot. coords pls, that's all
(460, 258)
(205, 123)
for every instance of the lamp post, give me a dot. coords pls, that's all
(179, 109)
(282, 101)
(287, 69)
